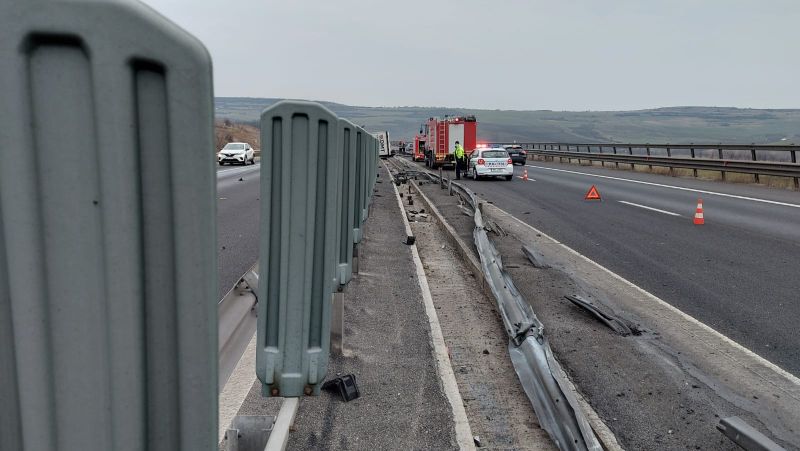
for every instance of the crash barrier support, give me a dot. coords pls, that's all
(757, 160)
(107, 230)
(306, 181)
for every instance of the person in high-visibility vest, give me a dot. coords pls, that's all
(460, 158)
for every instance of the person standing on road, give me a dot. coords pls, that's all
(459, 156)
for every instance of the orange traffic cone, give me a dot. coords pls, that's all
(525, 174)
(698, 214)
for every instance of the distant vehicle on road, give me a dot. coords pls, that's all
(490, 162)
(236, 153)
(418, 151)
(383, 144)
(442, 134)
(517, 153)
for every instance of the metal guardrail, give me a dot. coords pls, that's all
(236, 314)
(746, 436)
(540, 374)
(771, 160)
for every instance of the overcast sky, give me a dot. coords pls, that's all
(503, 54)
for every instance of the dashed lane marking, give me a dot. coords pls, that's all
(649, 208)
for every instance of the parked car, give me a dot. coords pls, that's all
(517, 153)
(490, 162)
(236, 153)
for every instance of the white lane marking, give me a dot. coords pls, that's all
(529, 179)
(790, 377)
(734, 196)
(448, 378)
(649, 208)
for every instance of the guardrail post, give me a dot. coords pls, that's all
(108, 273)
(649, 166)
(616, 163)
(796, 179)
(671, 169)
(694, 171)
(753, 157)
(721, 157)
(297, 249)
(630, 152)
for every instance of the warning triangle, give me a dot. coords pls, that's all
(593, 194)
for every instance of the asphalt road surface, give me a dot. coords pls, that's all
(739, 273)
(237, 222)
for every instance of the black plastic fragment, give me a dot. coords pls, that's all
(410, 239)
(345, 386)
(614, 323)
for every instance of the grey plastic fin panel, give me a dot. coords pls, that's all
(347, 140)
(364, 178)
(361, 138)
(107, 230)
(298, 249)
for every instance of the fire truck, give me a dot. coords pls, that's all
(440, 136)
(418, 151)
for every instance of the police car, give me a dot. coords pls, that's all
(490, 162)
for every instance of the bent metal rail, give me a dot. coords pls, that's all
(752, 159)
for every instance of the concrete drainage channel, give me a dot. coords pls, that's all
(569, 422)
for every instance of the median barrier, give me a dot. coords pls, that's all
(107, 230)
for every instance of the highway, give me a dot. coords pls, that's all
(237, 222)
(738, 273)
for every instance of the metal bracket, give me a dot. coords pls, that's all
(248, 433)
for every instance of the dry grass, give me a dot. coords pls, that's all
(226, 131)
(730, 177)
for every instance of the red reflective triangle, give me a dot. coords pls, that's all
(593, 194)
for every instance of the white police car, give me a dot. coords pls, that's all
(490, 162)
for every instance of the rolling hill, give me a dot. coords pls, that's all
(662, 125)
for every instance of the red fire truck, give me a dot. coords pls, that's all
(418, 151)
(440, 136)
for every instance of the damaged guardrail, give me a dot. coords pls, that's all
(542, 377)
